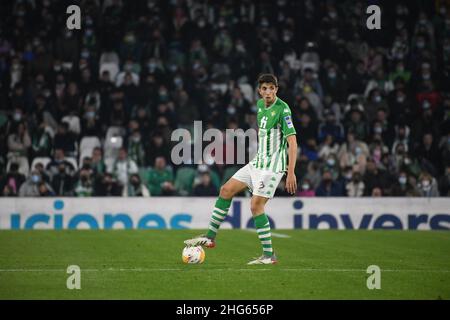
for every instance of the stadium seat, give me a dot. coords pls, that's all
(109, 163)
(74, 123)
(114, 131)
(112, 146)
(24, 166)
(84, 154)
(111, 67)
(247, 91)
(88, 144)
(184, 180)
(228, 173)
(215, 179)
(72, 161)
(43, 160)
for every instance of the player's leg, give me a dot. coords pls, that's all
(222, 205)
(219, 212)
(262, 226)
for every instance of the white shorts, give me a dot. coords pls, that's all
(260, 182)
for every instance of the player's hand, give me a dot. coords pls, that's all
(291, 183)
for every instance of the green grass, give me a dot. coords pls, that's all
(141, 264)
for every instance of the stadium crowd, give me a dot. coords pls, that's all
(90, 112)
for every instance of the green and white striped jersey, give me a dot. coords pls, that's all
(274, 126)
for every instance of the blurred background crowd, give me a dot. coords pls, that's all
(90, 112)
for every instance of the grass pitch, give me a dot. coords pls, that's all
(139, 264)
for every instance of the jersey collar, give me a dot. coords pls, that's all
(269, 107)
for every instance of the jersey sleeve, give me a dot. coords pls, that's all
(287, 125)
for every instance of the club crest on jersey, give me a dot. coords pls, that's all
(288, 121)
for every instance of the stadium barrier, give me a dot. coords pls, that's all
(194, 213)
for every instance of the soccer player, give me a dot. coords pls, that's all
(261, 175)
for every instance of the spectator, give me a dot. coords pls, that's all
(353, 152)
(376, 192)
(41, 142)
(84, 186)
(205, 187)
(59, 157)
(403, 187)
(427, 185)
(355, 187)
(40, 168)
(306, 189)
(375, 178)
(62, 182)
(19, 143)
(331, 127)
(65, 140)
(31, 187)
(124, 167)
(428, 150)
(135, 188)
(328, 147)
(444, 183)
(13, 180)
(44, 190)
(328, 187)
(135, 148)
(97, 163)
(106, 186)
(160, 179)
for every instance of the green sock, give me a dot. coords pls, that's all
(262, 225)
(220, 211)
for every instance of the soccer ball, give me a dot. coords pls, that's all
(193, 255)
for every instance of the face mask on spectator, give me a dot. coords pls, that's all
(178, 81)
(201, 23)
(331, 162)
(420, 44)
(402, 180)
(426, 76)
(377, 98)
(17, 116)
(90, 114)
(426, 184)
(136, 138)
(305, 186)
(35, 178)
(332, 74)
(378, 130)
(400, 99)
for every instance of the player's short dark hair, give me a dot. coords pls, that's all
(267, 78)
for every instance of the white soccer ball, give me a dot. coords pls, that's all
(193, 255)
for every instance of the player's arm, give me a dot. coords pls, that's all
(291, 180)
